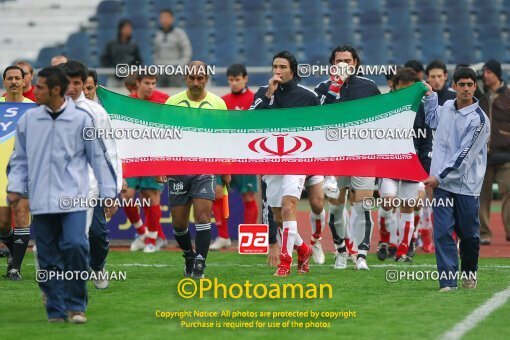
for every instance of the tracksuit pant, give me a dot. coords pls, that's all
(62, 246)
(98, 239)
(463, 219)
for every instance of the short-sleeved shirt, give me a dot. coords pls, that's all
(211, 101)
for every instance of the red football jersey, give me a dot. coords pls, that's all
(156, 97)
(239, 101)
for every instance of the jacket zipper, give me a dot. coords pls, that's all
(51, 160)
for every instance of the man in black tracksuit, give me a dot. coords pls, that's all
(283, 91)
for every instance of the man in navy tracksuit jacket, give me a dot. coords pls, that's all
(459, 159)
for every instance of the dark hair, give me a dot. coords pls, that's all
(167, 10)
(345, 48)
(464, 73)
(14, 67)
(24, 63)
(391, 75)
(55, 76)
(292, 61)
(121, 25)
(74, 69)
(93, 74)
(236, 70)
(415, 65)
(436, 64)
(405, 75)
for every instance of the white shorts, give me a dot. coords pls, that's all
(356, 183)
(399, 189)
(287, 185)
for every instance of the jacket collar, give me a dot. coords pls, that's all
(291, 84)
(68, 111)
(468, 109)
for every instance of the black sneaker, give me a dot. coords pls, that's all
(382, 251)
(14, 275)
(412, 248)
(198, 269)
(392, 251)
(189, 262)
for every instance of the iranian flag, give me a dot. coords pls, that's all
(365, 137)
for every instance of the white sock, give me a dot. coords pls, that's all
(138, 224)
(390, 222)
(350, 231)
(341, 217)
(318, 223)
(405, 228)
(289, 237)
(426, 218)
(363, 225)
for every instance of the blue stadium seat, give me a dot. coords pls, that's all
(164, 4)
(316, 53)
(136, 7)
(45, 55)
(74, 48)
(247, 6)
(140, 22)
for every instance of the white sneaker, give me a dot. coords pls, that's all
(361, 264)
(318, 255)
(340, 260)
(160, 243)
(353, 257)
(138, 243)
(102, 280)
(149, 248)
(330, 187)
(220, 243)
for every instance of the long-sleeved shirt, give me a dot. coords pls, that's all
(51, 159)
(459, 156)
(102, 120)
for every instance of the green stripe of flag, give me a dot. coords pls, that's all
(304, 117)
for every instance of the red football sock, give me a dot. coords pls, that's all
(251, 212)
(153, 216)
(221, 222)
(133, 216)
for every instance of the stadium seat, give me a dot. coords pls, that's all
(164, 4)
(74, 48)
(45, 55)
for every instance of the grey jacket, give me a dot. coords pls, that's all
(459, 154)
(172, 47)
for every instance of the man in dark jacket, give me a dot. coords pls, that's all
(283, 192)
(340, 88)
(437, 76)
(496, 103)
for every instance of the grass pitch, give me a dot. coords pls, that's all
(127, 309)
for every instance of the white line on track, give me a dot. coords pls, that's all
(478, 315)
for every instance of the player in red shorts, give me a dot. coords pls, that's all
(155, 238)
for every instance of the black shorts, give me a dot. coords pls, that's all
(182, 189)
